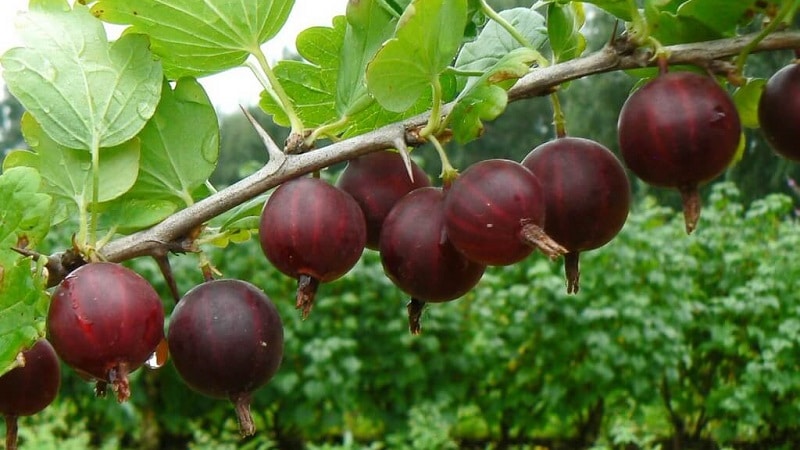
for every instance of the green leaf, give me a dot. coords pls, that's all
(721, 16)
(495, 42)
(486, 98)
(670, 28)
(746, 99)
(369, 25)
(68, 172)
(180, 144)
(427, 39)
(130, 213)
(311, 85)
(618, 8)
(86, 93)
(23, 300)
(564, 23)
(197, 38)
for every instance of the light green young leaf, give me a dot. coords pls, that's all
(68, 172)
(427, 39)
(197, 38)
(311, 85)
(486, 98)
(721, 16)
(24, 218)
(128, 214)
(618, 8)
(494, 41)
(86, 93)
(369, 25)
(564, 23)
(180, 144)
(746, 99)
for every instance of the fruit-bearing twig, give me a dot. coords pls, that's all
(538, 82)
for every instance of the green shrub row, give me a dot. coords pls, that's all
(672, 340)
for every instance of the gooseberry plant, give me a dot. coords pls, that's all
(123, 139)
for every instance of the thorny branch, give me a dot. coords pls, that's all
(172, 232)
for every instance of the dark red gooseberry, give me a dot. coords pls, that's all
(105, 321)
(494, 213)
(419, 258)
(377, 181)
(226, 341)
(587, 196)
(679, 130)
(779, 112)
(25, 390)
(312, 231)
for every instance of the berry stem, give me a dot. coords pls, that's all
(273, 86)
(118, 376)
(414, 308)
(572, 271)
(449, 173)
(691, 207)
(11, 432)
(306, 291)
(241, 403)
(434, 124)
(785, 14)
(559, 120)
(534, 235)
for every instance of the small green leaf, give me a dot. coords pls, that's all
(369, 25)
(486, 98)
(86, 93)
(495, 42)
(484, 102)
(312, 84)
(23, 300)
(746, 99)
(68, 172)
(618, 8)
(180, 144)
(564, 23)
(721, 16)
(196, 38)
(671, 28)
(129, 213)
(427, 39)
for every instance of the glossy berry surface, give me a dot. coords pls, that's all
(377, 181)
(105, 321)
(26, 390)
(679, 130)
(587, 195)
(417, 255)
(312, 231)
(779, 112)
(226, 340)
(489, 208)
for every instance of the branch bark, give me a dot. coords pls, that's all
(170, 233)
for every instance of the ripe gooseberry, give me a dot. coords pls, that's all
(105, 321)
(495, 212)
(27, 389)
(419, 258)
(226, 341)
(679, 130)
(311, 231)
(587, 196)
(377, 181)
(779, 111)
